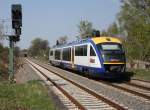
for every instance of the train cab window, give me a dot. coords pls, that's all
(66, 56)
(92, 52)
(57, 54)
(81, 50)
(109, 47)
(51, 53)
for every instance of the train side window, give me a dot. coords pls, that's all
(84, 50)
(51, 53)
(81, 50)
(66, 54)
(77, 51)
(57, 54)
(92, 52)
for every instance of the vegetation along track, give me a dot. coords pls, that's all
(81, 96)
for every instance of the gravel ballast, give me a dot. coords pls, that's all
(127, 99)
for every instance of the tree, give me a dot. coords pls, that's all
(134, 19)
(44, 48)
(113, 29)
(39, 47)
(3, 60)
(85, 29)
(35, 47)
(1, 33)
(104, 33)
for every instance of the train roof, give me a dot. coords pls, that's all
(73, 43)
(96, 40)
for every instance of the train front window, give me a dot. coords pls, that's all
(109, 47)
(111, 52)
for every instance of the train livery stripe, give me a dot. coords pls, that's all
(114, 63)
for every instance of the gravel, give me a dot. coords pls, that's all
(126, 99)
(83, 97)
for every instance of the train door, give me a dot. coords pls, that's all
(72, 57)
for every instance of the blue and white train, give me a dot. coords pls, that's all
(97, 57)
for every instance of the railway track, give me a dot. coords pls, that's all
(134, 89)
(125, 99)
(139, 86)
(141, 83)
(82, 97)
(135, 86)
(141, 80)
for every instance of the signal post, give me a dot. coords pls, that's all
(11, 58)
(16, 14)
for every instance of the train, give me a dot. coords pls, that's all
(100, 57)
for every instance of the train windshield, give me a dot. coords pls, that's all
(111, 47)
(111, 52)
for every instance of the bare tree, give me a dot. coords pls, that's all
(85, 29)
(1, 33)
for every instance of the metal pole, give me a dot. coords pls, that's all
(11, 58)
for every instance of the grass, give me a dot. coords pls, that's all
(141, 74)
(30, 96)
